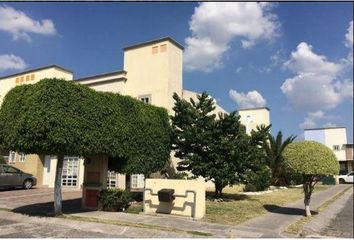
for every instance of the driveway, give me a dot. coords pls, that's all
(39, 200)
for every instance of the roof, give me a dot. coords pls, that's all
(256, 108)
(101, 75)
(323, 128)
(37, 69)
(154, 42)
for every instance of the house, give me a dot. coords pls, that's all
(152, 72)
(336, 139)
(253, 117)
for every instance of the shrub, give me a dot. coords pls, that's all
(114, 199)
(2, 160)
(259, 180)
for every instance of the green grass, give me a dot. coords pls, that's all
(237, 208)
(136, 209)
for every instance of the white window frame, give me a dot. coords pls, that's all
(137, 181)
(12, 157)
(145, 98)
(112, 181)
(69, 169)
(336, 147)
(22, 157)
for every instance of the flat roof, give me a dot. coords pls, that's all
(322, 128)
(101, 75)
(37, 69)
(154, 42)
(256, 108)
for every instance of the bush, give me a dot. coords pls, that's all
(114, 199)
(293, 178)
(2, 160)
(259, 180)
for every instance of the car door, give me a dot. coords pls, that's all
(2, 177)
(12, 176)
(350, 177)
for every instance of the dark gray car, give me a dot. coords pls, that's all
(12, 177)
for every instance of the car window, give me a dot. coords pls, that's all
(9, 169)
(351, 174)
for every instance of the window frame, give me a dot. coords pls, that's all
(148, 96)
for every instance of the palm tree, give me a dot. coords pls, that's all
(274, 148)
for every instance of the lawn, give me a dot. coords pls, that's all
(237, 208)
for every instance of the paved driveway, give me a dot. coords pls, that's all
(39, 200)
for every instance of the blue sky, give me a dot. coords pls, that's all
(295, 58)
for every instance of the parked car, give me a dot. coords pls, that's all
(347, 178)
(12, 177)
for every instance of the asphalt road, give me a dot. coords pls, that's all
(342, 224)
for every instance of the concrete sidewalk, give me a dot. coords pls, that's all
(271, 224)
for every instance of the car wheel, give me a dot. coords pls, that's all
(341, 180)
(27, 184)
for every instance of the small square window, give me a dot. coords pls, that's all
(22, 79)
(163, 48)
(27, 78)
(336, 147)
(145, 98)
(32, 77)
(17, 80)
(155, 50)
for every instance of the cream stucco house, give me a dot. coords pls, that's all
(152, 72)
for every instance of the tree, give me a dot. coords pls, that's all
(274, 148)
(218, 149)
(313, 160)
(58, 117)
(2, 160)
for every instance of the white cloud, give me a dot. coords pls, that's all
(349, 36)
(311, 120)
(315, 85)
(239, 69)
(247, 100)
(215, 24)
(20, 25)
(11, 62)
(329, 124)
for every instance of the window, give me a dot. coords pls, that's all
(145, 98)
(336, 147)
(155, 50)
(112, 179)
(27, 78)
(137, 181)
(32, 77)
(22, 157)
(22, 79)
(12, 157)
(163, 48)
(17, 80)
(9, 169)
(70, 172)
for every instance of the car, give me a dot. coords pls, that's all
(347, 178)
(11, 177)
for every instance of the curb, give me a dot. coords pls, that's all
(323, 219)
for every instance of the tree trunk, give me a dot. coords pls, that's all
(307, 207)
(308, 188)
(57, 186)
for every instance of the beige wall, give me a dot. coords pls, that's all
(256, 117)
(158, 75)
(336, 136)
(193, 205)
(7, 84)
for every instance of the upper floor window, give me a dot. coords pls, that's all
(145, 98)
(137, 181)
(336, 147)
(32, 77)
(12, 157)
(22, 157)
(163, 48)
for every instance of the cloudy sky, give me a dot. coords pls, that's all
(295, 58)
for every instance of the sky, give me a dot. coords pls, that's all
(296, 58)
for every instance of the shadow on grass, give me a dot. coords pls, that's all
(286, 210)
(47, 209)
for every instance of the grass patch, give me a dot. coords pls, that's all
(136, 209)
(296, 227)
(237, 208)
(130, 224)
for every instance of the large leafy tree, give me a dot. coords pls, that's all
(274, 147)
(218, 149)
(313, 160)
(57, 117)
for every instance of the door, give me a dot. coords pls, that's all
(12, 176)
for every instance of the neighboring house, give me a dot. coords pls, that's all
(253, 117)
(152, 72)
(336, 139)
